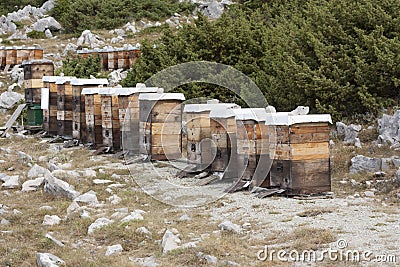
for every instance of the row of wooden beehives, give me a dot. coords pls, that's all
(15, 55)
(113, 58)
(269, 149)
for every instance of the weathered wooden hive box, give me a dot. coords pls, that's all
(223, 136)
(78, 106)
(160, 125)
(301, 162)
(104, 59)
(64, 107)
(128, 103)
(198, 132)
(34, 71)
(112, 57)
(17, 54)
(110, 118)
(49, 100)
(94, 132)
(252, 145)
(11, 56)
(3, 56)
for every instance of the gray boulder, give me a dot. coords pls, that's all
(17, 75)
(361, 163)
(351, 133)
(230, 226)
(212, 10)
(87, 38)
(57, 187)
(88, 198)
(99, 223)
(48, 6)
(115, 249)
(10, 182)
(48, 260)
(170, 241)
(32, 185)
(69, 48)
(9, 99)
(37, 171)
(46, 23)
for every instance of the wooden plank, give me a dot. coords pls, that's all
(12, 119)
(309, 138)
(302, 129)
(310, 176)
(281, 151)
(33, 83)
(166, 128)
(170, 139)
(310, 151)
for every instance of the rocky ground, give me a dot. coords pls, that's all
(89, 210)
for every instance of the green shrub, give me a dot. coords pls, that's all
(338, 57)
(36, 35)
(81, 67)
(79, 15)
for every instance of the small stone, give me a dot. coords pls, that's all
(143, 231)
(48, 260)
(99, 223)
(5, 222)
(102, 181)
(57, 242)
(32, 185)
(46, 208)
(115, 249)
(169, 242)
(89, 173)
(136, 215)
(369, 193)
(229, 226)
(89, 198)
(184, 218)
(11, 182)
(17, 212)
(85, 215)
(114, 199)
(51, 220)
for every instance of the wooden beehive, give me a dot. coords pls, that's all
(301, 162)
(198, 133)
(253, 142)
(122, 58)
(23, 53)
(104, 59)
(11, 56)
(112, 59)
(160, 125)
(128, 103)
(110, 118)
(223, 136)
(64, 107)
(3, 56)
(78, 106)
(49, 104)
(34, 71)
(93, 117)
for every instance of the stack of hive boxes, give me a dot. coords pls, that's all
(34, 71)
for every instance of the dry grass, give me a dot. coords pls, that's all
(312, 212)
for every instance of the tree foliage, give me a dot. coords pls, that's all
(8, 6)
(81, 67)
(340, 57)
(80, 15)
